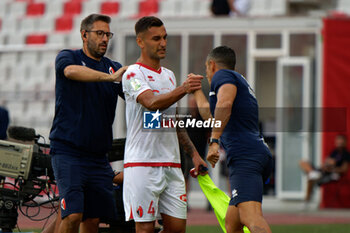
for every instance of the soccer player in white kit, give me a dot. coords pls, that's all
(153, 181)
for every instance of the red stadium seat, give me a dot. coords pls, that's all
(72, 8)
(35, 9)
(36, 39)
(110, 8)
(148, 7)
(64, 23)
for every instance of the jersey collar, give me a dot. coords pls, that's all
(150, 68)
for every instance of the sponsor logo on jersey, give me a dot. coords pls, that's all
(150, 78)
(151, 120)
(183, 197)
(111, 70)
(139, 212)
(63, 204)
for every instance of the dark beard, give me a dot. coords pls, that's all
(93, 52)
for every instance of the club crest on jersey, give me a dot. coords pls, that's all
(111, 70)
(63, 204)
(183, 197)
(139, 212)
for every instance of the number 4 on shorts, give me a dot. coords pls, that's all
(151, 209)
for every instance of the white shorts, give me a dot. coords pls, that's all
(151, 191)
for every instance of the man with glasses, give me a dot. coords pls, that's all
(87, 89)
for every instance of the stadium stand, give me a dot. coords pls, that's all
(343, 6)
(36, 39)
(35, 9)
(109, 8)
(147, 7)
(64, 23)
(129, 8)
(72, 8)
(168, 8)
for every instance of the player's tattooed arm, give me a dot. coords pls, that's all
(188, 147)
(185, 141)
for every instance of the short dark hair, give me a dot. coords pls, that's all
(147, 22)
(86, 24)
(223, 56)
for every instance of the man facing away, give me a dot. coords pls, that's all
(232, 101)
(81, 134)
(153, 182)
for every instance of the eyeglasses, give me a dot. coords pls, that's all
(101, 34)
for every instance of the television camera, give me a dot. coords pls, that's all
(25, 173)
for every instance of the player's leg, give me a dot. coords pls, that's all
(99, 202)
(141, 188)
(70, 224)
(55, 224)
(232, 220)
(250, 214)
(246, 179)
(144, 227)
(173, 225)
(173, 202)
(69, 178)
(89, 225)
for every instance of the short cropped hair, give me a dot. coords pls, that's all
(223, 56)
(87, 23)
(147, 22)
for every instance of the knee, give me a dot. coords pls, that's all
(232, 227)
(248, 219)
(91, 222)
(174, 229)
(73, 220)
(145, 227)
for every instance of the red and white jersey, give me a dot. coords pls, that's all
(145, 147)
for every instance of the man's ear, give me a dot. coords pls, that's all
(212, 65)
(83, 34)
(139, 41)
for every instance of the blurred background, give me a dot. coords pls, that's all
(294, 53)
